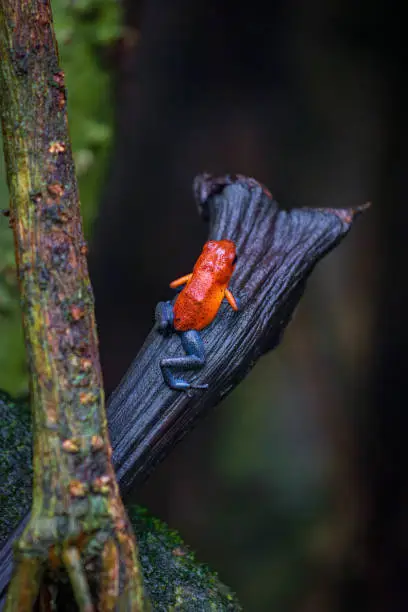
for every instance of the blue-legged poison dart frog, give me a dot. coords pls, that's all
(196, 306)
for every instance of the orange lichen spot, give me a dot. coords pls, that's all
(97, 443)
(42, 16)
(56, 147)
(70, 446)
(86, 364)
(78, 488)
(61, 100)
(84, 249)
(77, 312)
(59, 78)
(56, 190)
(101, 485)
(197, 304)
(87, 397)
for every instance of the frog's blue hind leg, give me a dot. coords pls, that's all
(164, 318)
(194, 360)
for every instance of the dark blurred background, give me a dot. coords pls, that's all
(295, 489)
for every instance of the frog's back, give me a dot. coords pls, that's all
(197, 304)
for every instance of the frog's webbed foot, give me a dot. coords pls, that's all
(194, 360)
(164, 318)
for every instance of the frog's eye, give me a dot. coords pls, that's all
(235, 260)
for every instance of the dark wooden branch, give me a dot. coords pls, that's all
(277, 250)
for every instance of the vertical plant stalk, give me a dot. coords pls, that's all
(78, 526)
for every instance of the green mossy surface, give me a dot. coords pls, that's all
(172, 576)
(15, 462)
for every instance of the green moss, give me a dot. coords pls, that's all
(172, 576)
(15, 462)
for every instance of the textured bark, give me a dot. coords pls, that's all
(78, 525)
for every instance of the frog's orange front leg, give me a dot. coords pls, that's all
(181, 281)
(231, 300)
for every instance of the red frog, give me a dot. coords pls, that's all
(195, 307)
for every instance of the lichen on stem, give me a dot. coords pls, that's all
(78, 526)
